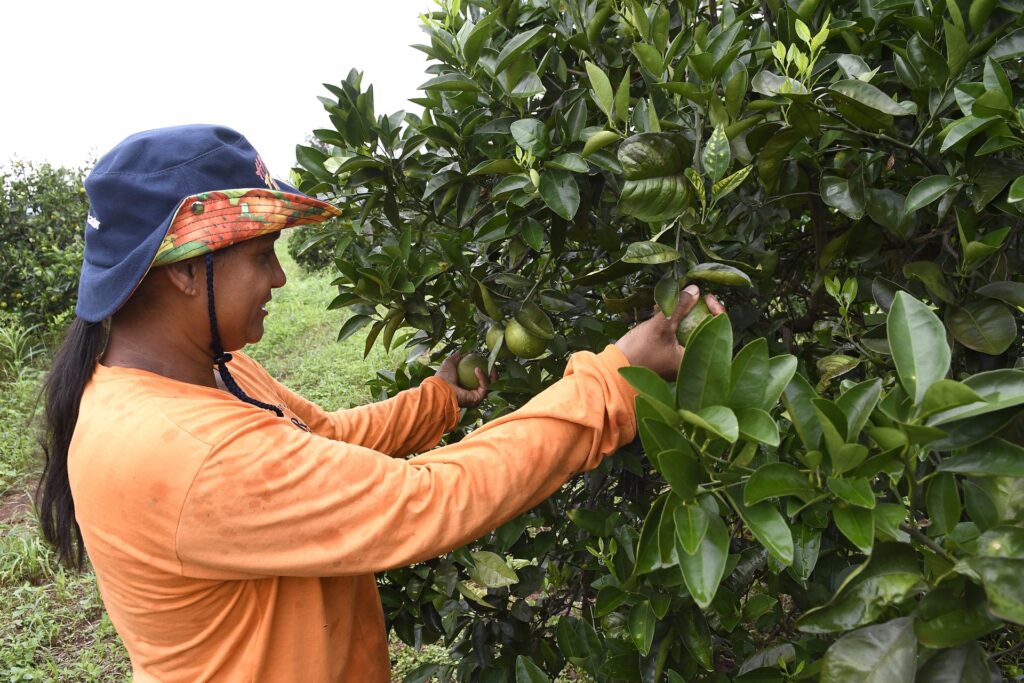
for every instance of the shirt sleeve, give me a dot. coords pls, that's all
(272, 501)
(410, 422)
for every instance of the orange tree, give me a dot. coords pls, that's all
(848, 177)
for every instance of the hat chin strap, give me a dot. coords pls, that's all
(220, 357)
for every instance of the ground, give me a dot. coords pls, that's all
(52, 623)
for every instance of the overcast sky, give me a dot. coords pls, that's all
(80, 76)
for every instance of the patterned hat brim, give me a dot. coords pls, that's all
(209, 221)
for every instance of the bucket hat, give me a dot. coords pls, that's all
(169, 194)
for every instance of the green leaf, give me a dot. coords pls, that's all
(491, 570)
(798, 399)
(650, 58)
(930, 64)
(599, 140)
(857, 524)
(531, 135)
(719, 273)
(776, 479)
(847, 457)
(767, 525)
(857, 402)
(650, 253)
(942, 501)
(717, 155)
(666, 295)
(560, 193)
(854, 491)
(964, 129)
(964, 664)
(691, 526)
(781, 370)
(999, 564)
(891, 576)
(918, 342)
(929, 273)
(1010, 47)
(454, 82)
(927, 191)
(622, 98)
(705, 371)
(757, 425)
(516, 46)
(836, 192)
(885, 653)
(1016, 193)
(649, 384)
(718, 420)
(569, 162)
(681, 470)
(749, 368)
(641, 626)
(993, 457)
(648, 551)
(871, 97)
(984, 326)
(727, 185)
(834, 365)
(653, 164)
(528, 672)
(503, 166)
(601, 88)
(946, 618)
(353, 325)
(1009, 292)
(957, 49)
(946, 394)
(703, 570)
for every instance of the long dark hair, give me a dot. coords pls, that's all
(72, 367)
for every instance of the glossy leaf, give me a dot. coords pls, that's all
(748, 372)
(560, 193)
(528, 672)
(491, 570)
(650, 253)
(691, 526)
(641, 626)
(719, 421)
(943, 503)
(776, 479)
(757, 425)
(927, 191)
(857, 403)
(993, 457)
(798, 399)
(885, 653)
(857, 524)
(854, 491)
(869, 96)
(717, 155)
(705, 371)
(681, 470)
(719, 273)
(985, 326)
(702, 571)
(767, 525)
(918, 342)
(964, 664)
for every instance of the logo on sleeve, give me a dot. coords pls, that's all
(93, 222)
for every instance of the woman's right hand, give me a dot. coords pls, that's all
(652, 344)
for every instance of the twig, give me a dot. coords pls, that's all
(925, 541)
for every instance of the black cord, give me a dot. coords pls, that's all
(220, 358)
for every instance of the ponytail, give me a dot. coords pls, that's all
(73, 365)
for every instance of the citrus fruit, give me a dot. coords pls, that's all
(692, 321)
(521, 342)
(467, 370)
(495, 334)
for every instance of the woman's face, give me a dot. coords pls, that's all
(243, 279)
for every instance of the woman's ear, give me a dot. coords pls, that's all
(186, 276)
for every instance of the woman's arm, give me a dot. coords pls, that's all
(277, 501)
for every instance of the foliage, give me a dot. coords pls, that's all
(312, 246)
(42, 215)
(849, 177)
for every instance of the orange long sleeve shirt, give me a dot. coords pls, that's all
(233, 545)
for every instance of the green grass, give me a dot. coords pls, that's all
(52, 623)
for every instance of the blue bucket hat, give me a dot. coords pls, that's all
(140, 187)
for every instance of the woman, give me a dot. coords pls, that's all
(234, 527)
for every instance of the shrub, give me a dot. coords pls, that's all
(849, 177)
(313, 246)
(42, 215)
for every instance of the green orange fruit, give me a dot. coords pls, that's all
(467, 370)
(522, 342)
(495, 334)
(692, 321)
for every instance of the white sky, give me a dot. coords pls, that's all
(80, 76)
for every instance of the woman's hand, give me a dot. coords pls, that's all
(652, 344)
(467, 398)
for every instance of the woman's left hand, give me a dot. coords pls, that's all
(467, 398)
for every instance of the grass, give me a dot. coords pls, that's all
(52, 623)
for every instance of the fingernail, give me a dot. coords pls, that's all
(692, 290)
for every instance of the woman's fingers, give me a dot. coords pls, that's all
(687, 300)
(714, 305)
